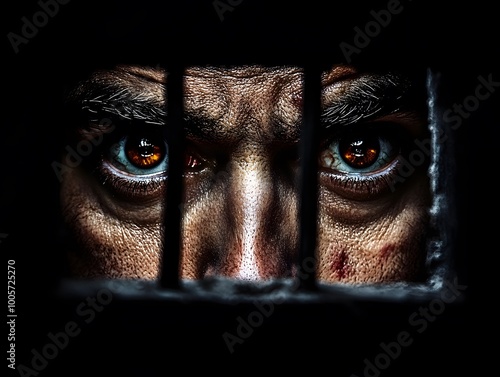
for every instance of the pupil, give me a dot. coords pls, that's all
(360, 153)
(143, 153)
(145, 148)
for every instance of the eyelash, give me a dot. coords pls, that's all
(357, 187)
(366, 183)
(129, 186)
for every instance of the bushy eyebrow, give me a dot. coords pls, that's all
(368, 97)
(360, 98)
(108, 100)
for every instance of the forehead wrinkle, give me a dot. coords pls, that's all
(273, 113)
(241, 72)
(287, 112)
(206, 98)
(242, 105)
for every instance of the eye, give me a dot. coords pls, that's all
(135, 164)
(363, 164)
(358, 153)
(140, 155)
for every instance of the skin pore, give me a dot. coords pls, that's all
(241, 198)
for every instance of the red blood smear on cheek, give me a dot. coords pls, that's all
(387, 250)
(340, 264)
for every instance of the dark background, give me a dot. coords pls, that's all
(147, 337)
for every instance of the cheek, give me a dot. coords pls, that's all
(386, 249)
(105, 246)
(384, 256)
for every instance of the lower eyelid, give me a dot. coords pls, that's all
(362, 186)
(128, 186)
(133, 177)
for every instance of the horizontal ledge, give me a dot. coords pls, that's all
(228, 291)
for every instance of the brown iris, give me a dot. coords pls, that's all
(360, 152)
(145, 153)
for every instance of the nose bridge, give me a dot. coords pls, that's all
(251, 193)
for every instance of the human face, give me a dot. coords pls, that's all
(240, 211)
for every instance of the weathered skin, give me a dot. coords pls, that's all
(241, 198)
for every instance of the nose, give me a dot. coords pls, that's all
(263, 222)
(251, 234)
(252, 192)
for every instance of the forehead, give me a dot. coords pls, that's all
(202, 80)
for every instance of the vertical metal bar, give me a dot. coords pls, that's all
(174, 133)
(308, 188)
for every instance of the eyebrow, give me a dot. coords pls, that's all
(364, 97)
(368, 97)
(97, 101)
(109, 100)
